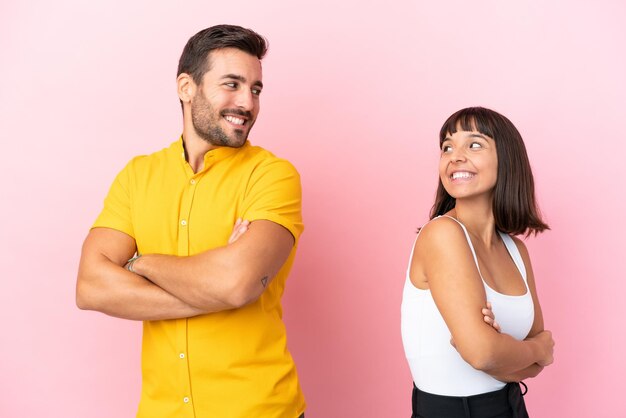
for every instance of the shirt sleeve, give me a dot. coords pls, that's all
(275, 194)
(116, 213)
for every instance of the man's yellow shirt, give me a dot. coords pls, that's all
(230, 364)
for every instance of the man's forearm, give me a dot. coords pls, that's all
(111, 289)
(181, 276)
(226, 277)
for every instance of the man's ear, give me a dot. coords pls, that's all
(186, 87)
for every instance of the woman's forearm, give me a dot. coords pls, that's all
(529, 372)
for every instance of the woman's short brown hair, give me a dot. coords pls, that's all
(514, 204)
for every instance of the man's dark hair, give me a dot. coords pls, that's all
(195, 57)
(514, 206)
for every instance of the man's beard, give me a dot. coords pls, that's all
(206, 121)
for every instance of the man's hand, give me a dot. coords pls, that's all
(241, 226)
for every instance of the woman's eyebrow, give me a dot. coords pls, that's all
(473, 135)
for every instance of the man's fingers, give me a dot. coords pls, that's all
(241, 226)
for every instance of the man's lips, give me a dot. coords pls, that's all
(235, 120)
(236, 117)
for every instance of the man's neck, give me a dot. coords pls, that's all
(195, 149)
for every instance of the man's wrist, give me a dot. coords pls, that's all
(130, 264)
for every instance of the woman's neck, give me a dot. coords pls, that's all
(477, 216)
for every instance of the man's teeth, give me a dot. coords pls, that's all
(236, 121)
(461, 175)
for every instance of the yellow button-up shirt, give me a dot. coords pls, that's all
(230, 364)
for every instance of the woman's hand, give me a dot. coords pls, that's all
(546, 352)
(241, 226)
(546, 346)
(488, 317)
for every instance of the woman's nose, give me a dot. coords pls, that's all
(458, 155)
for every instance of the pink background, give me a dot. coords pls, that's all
(355, 95)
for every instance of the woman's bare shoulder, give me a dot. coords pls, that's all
(521, 246)
(442, 231)
(441, 239)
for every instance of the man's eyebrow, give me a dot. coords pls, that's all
(240, 78)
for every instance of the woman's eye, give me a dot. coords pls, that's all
(475, 145)
(446, 148)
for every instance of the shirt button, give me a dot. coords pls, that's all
(186, 399)
(181, 355)
(192, 181)
(183, 222)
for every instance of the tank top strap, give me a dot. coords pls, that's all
(408, 269)
(413, 247)
(469, 241)
(412, 251)
(515, 254)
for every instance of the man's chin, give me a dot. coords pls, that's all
(235, 142)
(239, 138)
(236, 145)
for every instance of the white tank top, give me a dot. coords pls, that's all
(436, 366)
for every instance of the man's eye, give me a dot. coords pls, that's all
(231, 85)
(256, 92)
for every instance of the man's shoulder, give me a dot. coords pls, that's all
(256, 151)
(147, 161)
(260, 157)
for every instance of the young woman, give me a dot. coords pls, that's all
(465, 364)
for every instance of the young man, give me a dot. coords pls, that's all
(209, 294)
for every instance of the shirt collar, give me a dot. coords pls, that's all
(212, 156)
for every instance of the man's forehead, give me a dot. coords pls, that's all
(230, 59)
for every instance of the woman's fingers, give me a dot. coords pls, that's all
(489, 317)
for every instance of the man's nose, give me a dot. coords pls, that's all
(245, 99)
